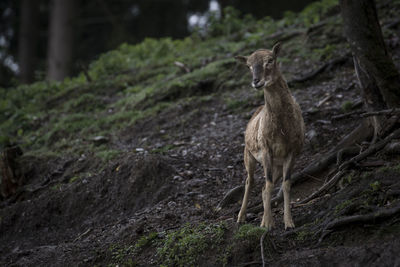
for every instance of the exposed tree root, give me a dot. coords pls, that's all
(332, 182)
(231, 197)
(373, 216)
(372, 149)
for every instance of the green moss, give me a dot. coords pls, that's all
(375, 186)
(385, 169)
(73, 179)
(249, 232)
(185, 247)
(145, 241)
(347, 106)
(342, 206)
(301, 235)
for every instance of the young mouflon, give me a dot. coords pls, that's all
(274, 135)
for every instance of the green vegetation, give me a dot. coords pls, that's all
(138, 81)
(249, 233)
(186, 246)
(342, 206)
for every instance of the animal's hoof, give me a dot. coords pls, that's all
(289, 224)
(269, 224)
(241, 221)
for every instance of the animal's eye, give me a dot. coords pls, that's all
(270, 61)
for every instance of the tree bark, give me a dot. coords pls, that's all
(28, 40)
(61, 39)
(374, 65)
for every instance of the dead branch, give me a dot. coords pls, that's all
(329, 65)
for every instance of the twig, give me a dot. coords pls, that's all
(83, 234)
(262, 247)
(320, 103)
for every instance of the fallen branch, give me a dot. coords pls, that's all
(314, 73)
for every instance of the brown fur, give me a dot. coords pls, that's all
(274, 135)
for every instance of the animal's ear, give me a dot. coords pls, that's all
(241, 59)
(276, 48)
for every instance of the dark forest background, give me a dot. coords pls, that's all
(54, 39)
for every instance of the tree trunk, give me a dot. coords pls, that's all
(28, 39)
(61, 39)
(374, 66)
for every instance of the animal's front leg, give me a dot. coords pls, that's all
(286, 184)
(249, 163)
(267, 220)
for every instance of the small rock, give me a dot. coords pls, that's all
(139, 149)
(178, 178)
(98, 140)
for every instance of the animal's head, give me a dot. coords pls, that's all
(263, 66)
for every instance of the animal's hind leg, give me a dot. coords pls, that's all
(250, 164)
(286, 184)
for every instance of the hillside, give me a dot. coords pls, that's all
(126, 163)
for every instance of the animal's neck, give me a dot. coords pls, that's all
(276, 95)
